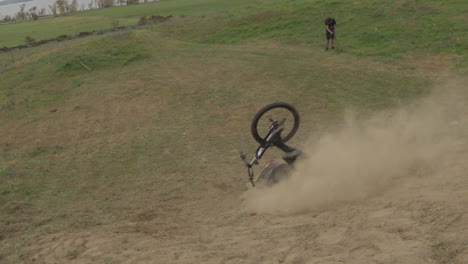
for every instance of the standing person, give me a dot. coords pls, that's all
(330, 26)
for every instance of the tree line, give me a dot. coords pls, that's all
(64, 7)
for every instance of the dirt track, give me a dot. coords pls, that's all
(419, 215)
(422, 220)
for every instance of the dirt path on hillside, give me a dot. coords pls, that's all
(419, 221)
(416, 212)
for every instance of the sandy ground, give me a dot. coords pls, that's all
(335, 211)
(421, 220)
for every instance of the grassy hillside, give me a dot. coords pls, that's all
(99, 129)
(386, 28)
(365, 27)
(101, 19)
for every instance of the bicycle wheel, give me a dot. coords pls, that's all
(275, 111)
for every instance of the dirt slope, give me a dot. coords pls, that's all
(415, 214)
(422, 220)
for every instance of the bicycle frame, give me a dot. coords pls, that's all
(273, 138)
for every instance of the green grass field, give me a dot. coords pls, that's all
(163, 111)
(367, 27)
(101, 19)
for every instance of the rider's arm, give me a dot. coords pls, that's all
(328, 29)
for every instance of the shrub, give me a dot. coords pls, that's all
(115, 22)
(29, 40)
(132, 2)
(143, 20)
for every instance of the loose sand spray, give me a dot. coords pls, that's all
(367, 156)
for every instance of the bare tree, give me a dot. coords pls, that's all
(53, 9)
(21, 15)
(73, 7)
(42, 12)
(105, 3)
(63, 6)
(33, 13)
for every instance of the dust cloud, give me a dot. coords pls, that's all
(369, 155)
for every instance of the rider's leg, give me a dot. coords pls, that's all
(327, 35)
